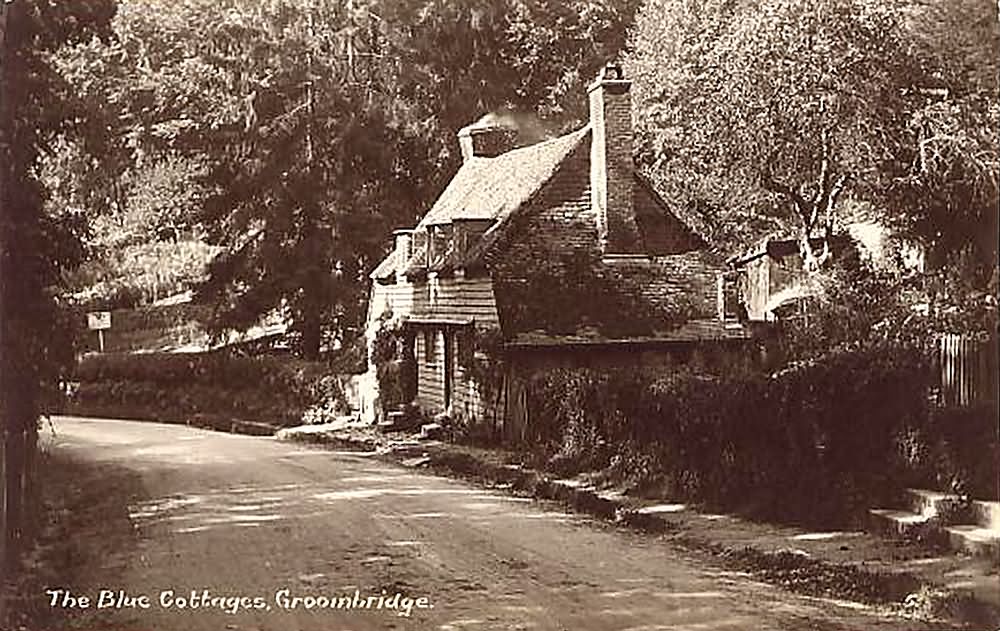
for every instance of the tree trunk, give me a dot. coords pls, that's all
(811, 209)
(311, 327)
(312, 311)
(6, 556)
(20, 290)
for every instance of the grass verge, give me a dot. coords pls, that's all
(83, 523)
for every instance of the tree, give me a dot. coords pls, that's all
(34, 247)
(776, 105)
(953, 199)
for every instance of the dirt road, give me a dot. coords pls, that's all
(252, 524)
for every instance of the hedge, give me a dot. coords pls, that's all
(959, 451)
(815, 442)
(172, 386)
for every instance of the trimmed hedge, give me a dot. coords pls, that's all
(175, 386)
(813, 443)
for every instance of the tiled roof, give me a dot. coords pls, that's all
(493, 188)
(686, 213)
(663, 230)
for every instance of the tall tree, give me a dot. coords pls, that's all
(956, 176)
(781, 115)
(33, 246)
(777, 105)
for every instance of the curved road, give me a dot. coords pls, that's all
(257, 523)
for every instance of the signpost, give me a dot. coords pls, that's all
(99, 321)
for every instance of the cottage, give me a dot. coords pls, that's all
(561, 250)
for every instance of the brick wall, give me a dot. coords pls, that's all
(689, 279)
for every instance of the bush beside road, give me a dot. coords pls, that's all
(217, 389)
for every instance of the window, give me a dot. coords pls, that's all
(429, 347)
(433, 290)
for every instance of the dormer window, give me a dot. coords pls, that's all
(431, 244)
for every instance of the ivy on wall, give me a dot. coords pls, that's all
(395, 367)
(482, 357)
(817, 442)
(576, 294)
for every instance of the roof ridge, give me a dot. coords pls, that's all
(543, 144)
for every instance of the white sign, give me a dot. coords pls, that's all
(98, 320)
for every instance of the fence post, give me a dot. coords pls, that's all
(3, 501)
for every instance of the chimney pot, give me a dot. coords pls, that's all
(486, 141)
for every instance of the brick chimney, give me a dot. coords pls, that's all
(486, 140)
(611, 166)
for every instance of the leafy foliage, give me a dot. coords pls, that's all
(863, 305)
(814, 442)
(776, 114)
(483, 358)
(777, 105)
(35, 337)
(321, 125)
(139, 274)
(956, 176)
(36, 247)
(575, 293)
(173, 386)
(395, 367)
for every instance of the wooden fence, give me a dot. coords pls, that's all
(967, 369)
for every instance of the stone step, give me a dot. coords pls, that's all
(896, 523)
(930, 503)
(975, 540)
(987, 514)
(972, 539)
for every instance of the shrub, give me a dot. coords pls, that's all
(960, 451)
(172, 385)
(395, 368)
(814, 442)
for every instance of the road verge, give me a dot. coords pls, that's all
(892, 577)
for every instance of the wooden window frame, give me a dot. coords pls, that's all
(430, 347)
